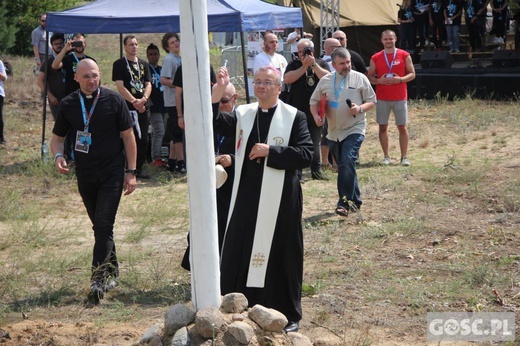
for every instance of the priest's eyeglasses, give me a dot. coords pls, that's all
(267, 83)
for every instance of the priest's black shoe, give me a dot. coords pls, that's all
(291, 327)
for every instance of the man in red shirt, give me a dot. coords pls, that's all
(390, 70)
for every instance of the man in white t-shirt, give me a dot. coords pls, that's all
(293, 38)
(269, 57)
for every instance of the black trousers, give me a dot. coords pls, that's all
(315, 132)
(101, 196)
(142, 142)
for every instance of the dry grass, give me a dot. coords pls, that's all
(438, 236)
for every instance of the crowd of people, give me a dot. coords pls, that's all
(318, 121)
(437, 23)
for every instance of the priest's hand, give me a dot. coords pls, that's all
(258, 151)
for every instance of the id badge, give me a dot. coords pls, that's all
(83, 141)
(333, 104)
(389, 75)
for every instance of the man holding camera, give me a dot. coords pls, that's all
(302, 76)
(68, 62)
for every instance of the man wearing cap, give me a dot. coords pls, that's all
(262, 251)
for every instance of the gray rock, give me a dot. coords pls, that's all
(234, 302)
(298, 339)
(209, 322)
(241, 331)
(150, 333)
(176, 317)
(238, 317)
(181, 338)
(268, 319)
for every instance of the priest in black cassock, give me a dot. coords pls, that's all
(262, 253)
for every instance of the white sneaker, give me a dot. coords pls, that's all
(386, 161)
(405, 162)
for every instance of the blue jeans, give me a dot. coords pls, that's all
(345, 154)
(453, 36)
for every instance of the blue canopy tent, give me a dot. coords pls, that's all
(157, 16)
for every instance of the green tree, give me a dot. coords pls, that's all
(7, 30)
(24, 15)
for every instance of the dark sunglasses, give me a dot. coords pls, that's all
(224, 101)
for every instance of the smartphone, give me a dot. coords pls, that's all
(77, 44)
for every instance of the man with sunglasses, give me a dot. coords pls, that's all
(56, 89)
(358, 64)
(225, 156)
(39, 41)
(262, 250)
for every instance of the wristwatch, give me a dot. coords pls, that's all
(131, 171)
(360, 109)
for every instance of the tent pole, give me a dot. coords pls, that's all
(121, 45)
(44, 111)
(244, 65)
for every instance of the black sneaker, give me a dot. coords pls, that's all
(96, 292)
(318, 176)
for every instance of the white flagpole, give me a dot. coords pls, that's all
(198, 120)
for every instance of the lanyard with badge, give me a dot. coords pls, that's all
(390, 64)
(334, 104)
(156, 79)
(137, 85)
(84, 138)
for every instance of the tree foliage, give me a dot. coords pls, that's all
(7, 30)
(22, 17)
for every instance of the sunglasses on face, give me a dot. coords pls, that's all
(224, 101)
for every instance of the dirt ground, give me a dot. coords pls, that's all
(345, 311)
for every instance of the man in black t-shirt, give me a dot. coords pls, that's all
(132, 77)
(56, 89)
(67, 63)
(302, 76)
(104, 143)
(358, 64)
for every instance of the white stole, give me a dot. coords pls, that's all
(272, 183)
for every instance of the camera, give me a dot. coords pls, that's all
(307, 51)
(77, 44)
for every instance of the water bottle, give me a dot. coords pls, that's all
(45, 152)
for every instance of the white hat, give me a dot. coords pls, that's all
(220, 175)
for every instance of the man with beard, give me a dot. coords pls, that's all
(55, 78)
(68, 62)
(349, 96)
(133, 81)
